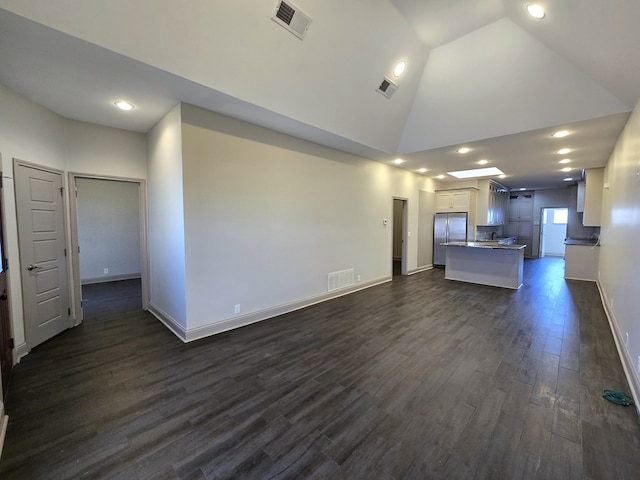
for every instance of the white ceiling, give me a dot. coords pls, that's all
(481, 74)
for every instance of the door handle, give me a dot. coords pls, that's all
(33, 267)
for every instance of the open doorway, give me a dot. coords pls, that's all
(399, 222)
(109, 235)
(553, 232)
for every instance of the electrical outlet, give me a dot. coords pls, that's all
(358, 278)
(106, 271)
(236, 308)
(626, 339)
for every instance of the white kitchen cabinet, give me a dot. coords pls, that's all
(580, 198)
(460, 200)
(593, 188)
(581, 262)
(492, 203)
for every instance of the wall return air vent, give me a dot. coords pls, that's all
(292, 18)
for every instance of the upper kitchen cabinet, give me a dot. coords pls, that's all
(590, 197)
(459, 200)
(492, 203)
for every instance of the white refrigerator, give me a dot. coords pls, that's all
(447, 227)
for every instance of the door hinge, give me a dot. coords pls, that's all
(5, 264)
(61, 191)
(1, 180)
(69, 311)
(65, 252)
(12, 344)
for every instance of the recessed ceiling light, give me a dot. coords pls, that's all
(464, 150)
(502, 176)
(399, 69)
(398, 161)
(123, 105)
(535, 10)
(440, 177)
(423, 170)
(477, 172)
(563, 151)
(568, 179)
(522, 189)
(561, 133)
(483, 162)
(565, 160)
(565, 169)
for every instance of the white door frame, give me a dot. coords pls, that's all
(405, 207)
(542, 229)
(75, 253)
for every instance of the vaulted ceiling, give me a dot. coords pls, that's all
(480, 74)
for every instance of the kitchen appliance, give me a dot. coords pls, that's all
(447, 227)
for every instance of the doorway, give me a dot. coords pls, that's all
(109, 244)
(399, 224)
(553, 232)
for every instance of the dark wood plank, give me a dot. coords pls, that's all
(418, 378)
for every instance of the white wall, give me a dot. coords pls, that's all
(426, 209)
(619, 264)
(108, 229)
(32, 133)
(268, 216)
(166, 221)
(93, 149)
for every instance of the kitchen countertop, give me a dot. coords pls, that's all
(588, 242)
(484, 244)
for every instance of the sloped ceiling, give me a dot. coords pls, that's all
(483, 74)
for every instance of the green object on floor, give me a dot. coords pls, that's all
(620, 398)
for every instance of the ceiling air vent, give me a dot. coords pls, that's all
(387, 87)
(292, 18)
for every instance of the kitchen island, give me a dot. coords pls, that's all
(486, 263)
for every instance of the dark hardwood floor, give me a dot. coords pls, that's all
(419, 378)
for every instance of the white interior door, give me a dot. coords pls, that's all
(41, 232)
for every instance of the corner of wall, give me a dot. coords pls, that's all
(177, 329)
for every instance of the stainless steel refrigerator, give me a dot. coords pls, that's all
(447, 227)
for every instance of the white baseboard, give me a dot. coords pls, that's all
(420, 269)
(4, 421)
(581, 279)
(254, 317)
(110, 278)
(625, 359)
(169, 322)
(19, 352)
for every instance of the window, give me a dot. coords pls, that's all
(560, 216)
